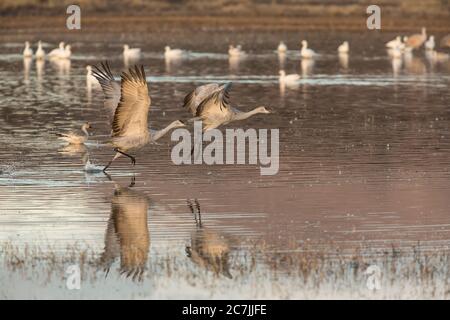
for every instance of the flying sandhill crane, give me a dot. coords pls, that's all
(127, 233)
(131, 104)
(208, 249)
(210, 104)
(76, 137)
(417, 40)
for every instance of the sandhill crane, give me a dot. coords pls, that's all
(417, 40)
(130, 123)
(429, 44)
(131, 53)
(58, 52)
(305, 52)
(127, 233)
(172, 53)
(110, 87)
(40, 53)
(394, 43)
(282, 48)
(344, 47)
(27, 52)
(445, 41)
(210, 104)
(288, 79)
(75, 137)
(208, 249)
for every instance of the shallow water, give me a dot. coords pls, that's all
(364, 150)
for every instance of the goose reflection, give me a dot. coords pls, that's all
(73, 150)
(127, 232)
(282, 59)
(26, 68)
(343, 60)
(62, 66)
(40, 64)
(172, 64)
(307, 66)
(208, 249)
(234, 62)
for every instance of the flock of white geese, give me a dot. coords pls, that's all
(129, 100)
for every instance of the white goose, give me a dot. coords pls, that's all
(344, 47)
(58, 52)
(90, 79)
(430, 44)
(27, 52)
(305, 52)
(282, 48)
(66, 53)
(394, 43)
(172, 53)
(40, 53)
(235, 51)
(288, 79)
(131, 53)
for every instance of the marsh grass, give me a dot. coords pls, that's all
(258, 272)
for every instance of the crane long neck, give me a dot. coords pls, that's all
(85, 131)
(244, 115)
(160, 133)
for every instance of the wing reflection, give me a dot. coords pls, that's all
(127, 233)
(209, 249)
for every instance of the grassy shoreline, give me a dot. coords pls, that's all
(259, 273)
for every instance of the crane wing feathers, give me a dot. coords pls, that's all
(131, 116)
(218, 101)
(110, 87)
(195, 98)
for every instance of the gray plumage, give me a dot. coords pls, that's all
(130, 123)
(110, 87)
(210, 103)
